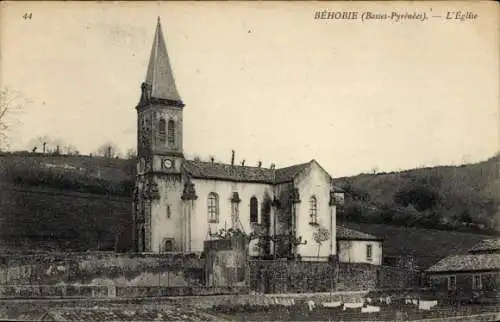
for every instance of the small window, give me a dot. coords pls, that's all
(213, 208)
(452, 282)
(169, 213)
(477, 282)
(313, 210)
(254, 210)
(168, 245)
(162, 130)
(171, 132)
(369, 252)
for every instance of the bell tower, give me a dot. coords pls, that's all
(159, 154)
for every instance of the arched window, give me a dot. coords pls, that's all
(213, 208)
(171, 132)
(313, 210)
(254, 210)
(162, 130)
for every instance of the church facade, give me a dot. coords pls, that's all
(179, 203)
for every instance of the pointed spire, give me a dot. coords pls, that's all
(159, 76)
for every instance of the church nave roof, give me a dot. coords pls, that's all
(228, 172)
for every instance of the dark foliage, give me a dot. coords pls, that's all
(465, 198)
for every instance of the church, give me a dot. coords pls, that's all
(179, 204)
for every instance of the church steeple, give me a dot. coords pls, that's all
(159, 77)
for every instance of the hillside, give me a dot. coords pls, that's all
(53, 202)
(68, 172)
(465, 198)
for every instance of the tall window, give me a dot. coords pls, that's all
(369, 252)
(452, 282)
(476, 282)
(141, 240)
(213, 208)
(171, 132)
(254, 210)
(313, 210)
(162, 131)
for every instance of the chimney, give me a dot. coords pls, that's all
(243, 163)
(232, 157)
(212, 158)
(260, 164)
(44, 144)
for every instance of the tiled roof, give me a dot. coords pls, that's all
(344, 233)
(486, 245)
(468, 262)
(288, 173)
(209, 170)
(337, 189)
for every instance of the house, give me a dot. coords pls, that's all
(180, 203)
(357, 247)
(474, 274)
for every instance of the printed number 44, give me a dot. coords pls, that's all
(27, 15)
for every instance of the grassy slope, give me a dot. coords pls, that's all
(470, 191)
(39, 215)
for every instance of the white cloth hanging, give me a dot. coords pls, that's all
(370, 309)
(427, 305)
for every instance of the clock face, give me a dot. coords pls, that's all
(167, 163)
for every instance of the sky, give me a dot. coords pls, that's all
(265, 79)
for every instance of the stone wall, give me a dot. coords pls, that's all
(400, 277)
(282, 276)
(107, 275)
(357, 276)
(172, 269)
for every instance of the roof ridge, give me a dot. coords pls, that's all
(356, 234)
(246, 166)
(237, 172)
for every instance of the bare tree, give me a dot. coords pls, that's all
(71, 150)
(131, 154)
(11, 103)
(47, 144)
(40, 144)
(108, 150)
(321, 235)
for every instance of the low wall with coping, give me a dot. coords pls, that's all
(139, 269)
